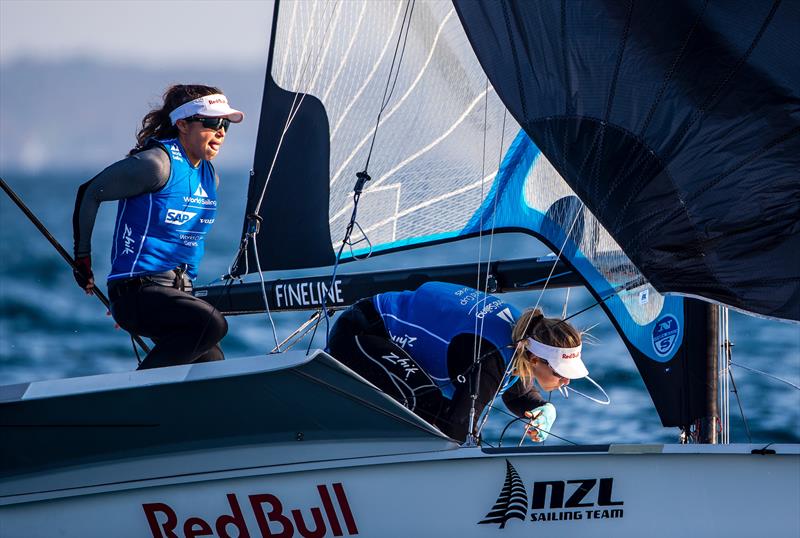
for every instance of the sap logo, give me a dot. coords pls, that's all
(505, 315)
(665, 335)
(582, 502)
(178, 217)
(269, 513)
(176, 152)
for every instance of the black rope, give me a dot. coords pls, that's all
(363, 176)
(387, 94)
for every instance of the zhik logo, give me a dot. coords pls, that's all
(582, 503)
(178, 217)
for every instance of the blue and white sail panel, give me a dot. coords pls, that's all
(328, 74)
(528, 194)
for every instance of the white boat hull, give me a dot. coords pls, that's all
(714, 491)
(299, 446)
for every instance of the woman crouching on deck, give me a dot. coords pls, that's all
(167, 192)
(420, 347)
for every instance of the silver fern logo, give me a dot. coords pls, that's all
(554, 501)
(512, 503)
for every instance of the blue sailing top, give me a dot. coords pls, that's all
(161, 230)
(425, 321)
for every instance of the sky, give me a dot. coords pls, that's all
(139, 32)
(119, 56)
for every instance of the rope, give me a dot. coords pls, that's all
(363, 176)
(765, 374)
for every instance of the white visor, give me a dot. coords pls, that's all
(565, 361)
(213, 106)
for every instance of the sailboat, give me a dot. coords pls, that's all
(614, 134)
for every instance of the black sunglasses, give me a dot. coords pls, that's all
(212, 123)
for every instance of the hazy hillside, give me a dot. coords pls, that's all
(83, 114)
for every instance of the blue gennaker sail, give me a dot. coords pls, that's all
(397, 85)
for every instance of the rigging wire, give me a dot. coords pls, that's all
(544, 287)
(771, 376)
(363, 176)
(741, 409)
(293, 110)
(387, 94)
(479, 340)
(254, 219)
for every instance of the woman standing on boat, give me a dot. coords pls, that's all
(420, 347)
(167, 192)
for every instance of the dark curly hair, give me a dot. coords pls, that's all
(156, 124)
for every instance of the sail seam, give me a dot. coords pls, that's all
(394, 109)
(710, 102)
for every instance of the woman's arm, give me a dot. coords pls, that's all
(522, 396)
(141, 173)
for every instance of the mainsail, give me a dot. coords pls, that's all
(448, 162)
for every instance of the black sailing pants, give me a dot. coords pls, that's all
(185, 329)
(360, 341)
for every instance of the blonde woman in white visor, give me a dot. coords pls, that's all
(167, 193)
(549, 351)
(419, 346)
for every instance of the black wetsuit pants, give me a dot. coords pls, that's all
(184, 328)
(359, 340)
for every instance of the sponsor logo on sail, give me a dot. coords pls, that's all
(272, 516)
(177, 217)
(553, 500)
(665, 335)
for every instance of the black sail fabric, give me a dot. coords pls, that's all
(678, 125)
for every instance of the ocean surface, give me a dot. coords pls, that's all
(50, 329)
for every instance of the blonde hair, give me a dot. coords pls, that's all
(550, 331)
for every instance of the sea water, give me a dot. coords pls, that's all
(50, 329)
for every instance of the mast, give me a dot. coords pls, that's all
(708, 425)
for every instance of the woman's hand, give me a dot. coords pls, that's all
(542, 419)
(84, 276)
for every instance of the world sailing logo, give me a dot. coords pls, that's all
(200, 192)
(582, 502)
